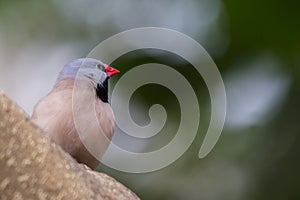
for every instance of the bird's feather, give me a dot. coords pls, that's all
(55, 115)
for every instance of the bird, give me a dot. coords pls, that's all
(54, 113)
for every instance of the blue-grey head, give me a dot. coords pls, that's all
(92, 70)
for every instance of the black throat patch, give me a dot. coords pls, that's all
(102, 91)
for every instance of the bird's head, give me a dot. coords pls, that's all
(94, 71)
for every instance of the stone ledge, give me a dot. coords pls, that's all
(33, 167)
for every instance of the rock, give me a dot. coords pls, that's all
(33, 167)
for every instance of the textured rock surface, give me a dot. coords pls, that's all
(33, 167)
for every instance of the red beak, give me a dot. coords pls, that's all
(111, 71)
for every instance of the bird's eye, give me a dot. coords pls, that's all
(101, 67)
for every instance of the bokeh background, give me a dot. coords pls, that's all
(256, 46)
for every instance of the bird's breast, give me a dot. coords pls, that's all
(78, 123)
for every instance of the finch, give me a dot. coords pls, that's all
(54, 113)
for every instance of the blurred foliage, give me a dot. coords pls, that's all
(259, 161)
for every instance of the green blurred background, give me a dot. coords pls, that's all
(256, 46)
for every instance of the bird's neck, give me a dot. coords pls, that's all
(69, 83)
(64, 84)
(85, 87)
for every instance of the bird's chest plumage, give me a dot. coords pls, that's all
(69, 122)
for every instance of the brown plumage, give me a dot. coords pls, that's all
(55, 115)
